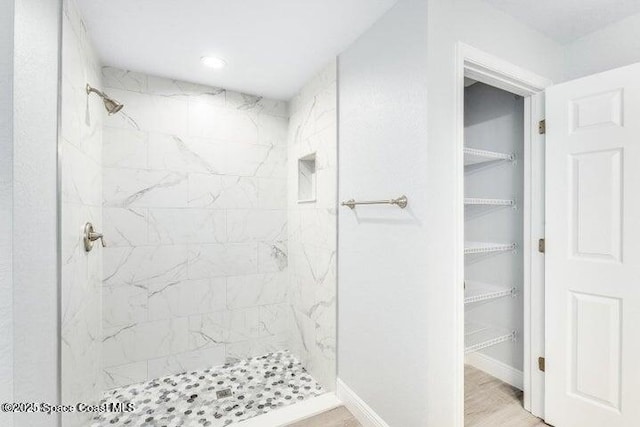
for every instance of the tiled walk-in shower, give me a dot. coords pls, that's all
(218, 210)
(214, 397)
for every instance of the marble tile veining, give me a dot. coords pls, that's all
(311, 227)
(81, 188)
(214, 397)
(195, 216)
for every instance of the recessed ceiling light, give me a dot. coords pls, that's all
(213, 62)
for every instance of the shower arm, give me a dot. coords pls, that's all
(96, 91)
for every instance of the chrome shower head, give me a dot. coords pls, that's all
(112, 106)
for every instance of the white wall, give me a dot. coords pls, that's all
(6, 208)
(81, 120)
(613, 46)
(397, 269)
(494, 120)
(485, 28)
(195, 211)
(312, 227)
(382, 329)
(35, 222)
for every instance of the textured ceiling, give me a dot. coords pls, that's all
(567, 20)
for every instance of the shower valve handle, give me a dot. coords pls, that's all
(95, 236)
(90, 236)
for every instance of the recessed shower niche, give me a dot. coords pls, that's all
(307, 179)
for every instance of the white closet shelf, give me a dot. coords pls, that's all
(474, 201)
(478, 336)
(480, 291)
(473, 156)
(487, 247)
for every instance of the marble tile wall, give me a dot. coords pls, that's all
(81, 189)
(312, 228)
(195, 216)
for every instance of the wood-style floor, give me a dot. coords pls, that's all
(488, 402)
(338, 417)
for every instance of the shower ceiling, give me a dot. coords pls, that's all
(271, 47)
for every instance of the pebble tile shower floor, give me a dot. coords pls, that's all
(257, 385)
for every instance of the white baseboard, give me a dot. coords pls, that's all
(359, 409)
(497, 369)
(294, 413)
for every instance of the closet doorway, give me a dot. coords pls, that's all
(501, 147)
(578, 345)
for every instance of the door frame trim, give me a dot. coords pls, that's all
(489, 69)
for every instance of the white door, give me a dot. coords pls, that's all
(593, 251)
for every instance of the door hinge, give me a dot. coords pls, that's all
(541, 245)
(541, 363)
(542, 127)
